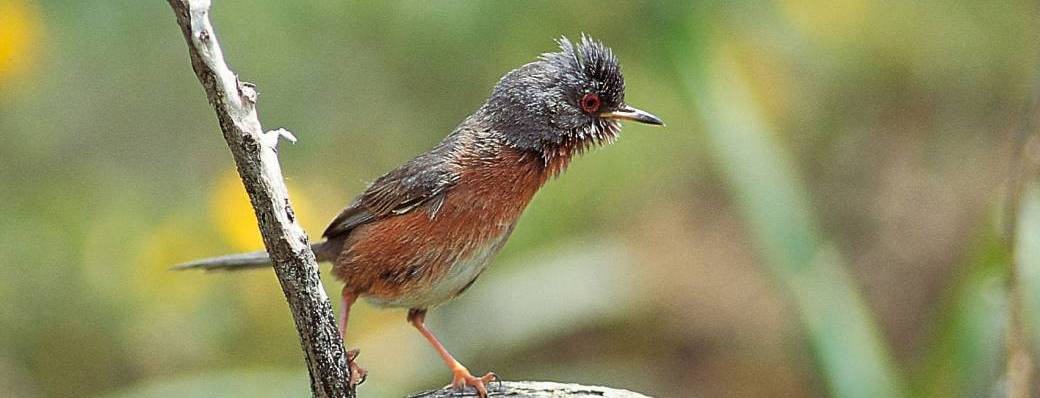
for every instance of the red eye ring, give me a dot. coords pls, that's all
(590, 102)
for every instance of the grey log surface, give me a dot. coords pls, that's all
(537, 389)
(257, 161)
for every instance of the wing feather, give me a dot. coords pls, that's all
(404, 189)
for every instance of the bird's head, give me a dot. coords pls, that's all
(565, 101)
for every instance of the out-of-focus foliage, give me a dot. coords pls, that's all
(853, 359)
(816, 220)
(18, 24)
(1027, 254)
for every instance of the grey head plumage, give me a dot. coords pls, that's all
(564, 102)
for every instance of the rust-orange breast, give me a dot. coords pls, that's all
(415, 260)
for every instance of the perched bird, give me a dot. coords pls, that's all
(421, 234)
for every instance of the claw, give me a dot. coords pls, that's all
(357, 374)
(463, 379)
(496, 379)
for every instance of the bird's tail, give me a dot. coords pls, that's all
(244, 261)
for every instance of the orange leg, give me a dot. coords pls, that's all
(344, 313)
(357, 375)
(462, 377)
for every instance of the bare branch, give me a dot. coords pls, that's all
(257, 161)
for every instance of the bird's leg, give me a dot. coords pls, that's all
(462, 377)
(357, 375)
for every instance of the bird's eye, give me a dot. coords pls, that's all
(590, 103)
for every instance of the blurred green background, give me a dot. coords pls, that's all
(820, 218)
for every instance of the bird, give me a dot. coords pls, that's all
(423, 233)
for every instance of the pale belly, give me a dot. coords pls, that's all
(459, 276)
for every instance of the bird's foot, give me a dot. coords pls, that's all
(357, 374)
(465, 379)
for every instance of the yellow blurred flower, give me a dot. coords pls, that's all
(18, 26)
(826, 20)
(766, 73)
(233, 215)
(170, 242)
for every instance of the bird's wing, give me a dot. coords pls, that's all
(425, 179)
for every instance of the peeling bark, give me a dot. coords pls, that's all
(256, 158)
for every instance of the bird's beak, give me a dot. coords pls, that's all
(629, 113)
